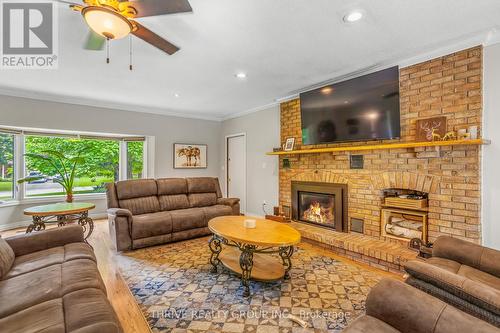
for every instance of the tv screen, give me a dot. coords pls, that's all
(360, 109)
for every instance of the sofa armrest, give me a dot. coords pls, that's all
(234, 203)
(228, 201)
(409, 309)
(119, 212)
(467, 253)
(46, 239)
(472, 291)
(120, 228)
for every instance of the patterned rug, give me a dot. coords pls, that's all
(177, 292)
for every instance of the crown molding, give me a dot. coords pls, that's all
(35, 95)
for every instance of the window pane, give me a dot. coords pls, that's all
(100, 164)
(6, 167)
(135, 160)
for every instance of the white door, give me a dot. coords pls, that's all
(236, 169)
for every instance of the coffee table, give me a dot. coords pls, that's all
(247, 252)
(61, 213)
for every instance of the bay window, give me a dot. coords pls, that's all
(102, 159)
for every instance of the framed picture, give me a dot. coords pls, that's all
(431, 129)
(290, 142)
(190, 156)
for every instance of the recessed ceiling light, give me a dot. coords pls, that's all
(176, 95)
(241, 75)
(353, 16)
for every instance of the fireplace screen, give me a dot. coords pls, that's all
(316, 207)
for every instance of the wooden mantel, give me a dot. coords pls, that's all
(396, 145)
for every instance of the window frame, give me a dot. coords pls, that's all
(19, 191)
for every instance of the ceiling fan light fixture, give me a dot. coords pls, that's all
(107, 22)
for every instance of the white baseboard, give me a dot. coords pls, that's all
(25, 223)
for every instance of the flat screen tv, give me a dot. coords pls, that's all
(360, 109)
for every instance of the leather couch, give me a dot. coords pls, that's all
(49, 282)
(463, 274)
(392, 307)
(146, 212)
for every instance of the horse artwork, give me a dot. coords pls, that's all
(190, 156)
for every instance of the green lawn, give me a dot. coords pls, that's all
(5, 186)
(87, 181)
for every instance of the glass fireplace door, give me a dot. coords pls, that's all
(316, 207)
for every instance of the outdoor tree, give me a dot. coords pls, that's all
(6, 155)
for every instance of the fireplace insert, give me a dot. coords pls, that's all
(323, 204)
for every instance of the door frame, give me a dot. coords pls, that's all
(226, 140)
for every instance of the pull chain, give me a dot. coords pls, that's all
(107, 50)
(130, 51)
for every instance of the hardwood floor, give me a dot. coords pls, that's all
(120, 296)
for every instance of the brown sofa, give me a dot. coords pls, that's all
(463, 274)
(393, 307)
(49, 282)
(148, 212)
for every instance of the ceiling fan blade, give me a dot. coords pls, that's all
(157, 7)
(148, 36)
(94, 41)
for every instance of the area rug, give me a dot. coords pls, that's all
(177, 292)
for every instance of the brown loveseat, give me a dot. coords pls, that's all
(148, 212)
(463, 274)
(393, 307)
(49, 282)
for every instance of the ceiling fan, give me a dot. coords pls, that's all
(114, 19)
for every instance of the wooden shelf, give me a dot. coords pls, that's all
(397, 145)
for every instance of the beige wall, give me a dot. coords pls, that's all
(491, 155)
(262, 130)
(167, 130)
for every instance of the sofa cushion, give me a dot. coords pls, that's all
(168, 186)
(174, 201)
(217, 210)
(365, 324)
(201, 185)
(56, 255)
(47, 317)
(6, 257)
(88, 310)
(153, 224)
(202, 199)
(143, 205)
(185, 219)
(45, 284)
(447, 264)
(137, 188)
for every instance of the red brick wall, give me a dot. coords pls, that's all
(450, 86)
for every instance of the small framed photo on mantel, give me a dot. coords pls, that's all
(190, 156)
(289, 144)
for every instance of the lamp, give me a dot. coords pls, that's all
(107, 22)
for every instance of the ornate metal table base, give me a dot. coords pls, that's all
(246, 260)
(82, 219)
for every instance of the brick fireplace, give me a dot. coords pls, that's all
(449, 86)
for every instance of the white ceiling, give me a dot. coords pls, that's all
(283, 46)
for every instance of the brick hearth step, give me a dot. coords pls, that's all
(388, 256)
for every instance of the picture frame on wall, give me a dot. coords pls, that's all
(190, 156)
(289, 144)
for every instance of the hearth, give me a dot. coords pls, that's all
(323, 204)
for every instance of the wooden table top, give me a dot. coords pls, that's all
(266, 232)
(60, 208)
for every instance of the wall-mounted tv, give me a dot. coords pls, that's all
(360, 109)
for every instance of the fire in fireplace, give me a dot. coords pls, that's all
(323, 204)
(316, 207)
